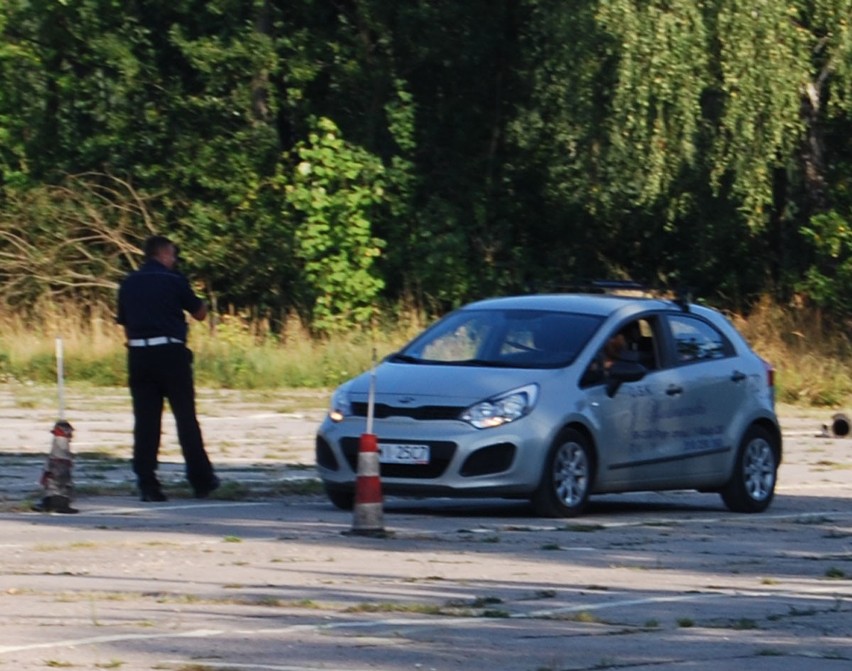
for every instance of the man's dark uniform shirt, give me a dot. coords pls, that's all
(151, 302)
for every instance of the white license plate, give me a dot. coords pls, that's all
(394, 453)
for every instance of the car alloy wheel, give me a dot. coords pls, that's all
(752, 485)
(567, 478)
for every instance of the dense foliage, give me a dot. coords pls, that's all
(328, 158)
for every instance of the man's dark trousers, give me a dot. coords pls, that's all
(157, 373)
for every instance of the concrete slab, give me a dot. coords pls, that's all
(270, 581)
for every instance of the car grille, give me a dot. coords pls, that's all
(441, 453)
(426, 412)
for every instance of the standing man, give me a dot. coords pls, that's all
(151, 303)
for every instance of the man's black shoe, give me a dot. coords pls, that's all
(204, 491)
(149, 495)
(55, 504)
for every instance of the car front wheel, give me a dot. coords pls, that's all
(341, 498)
(752, 484)
(567, 478)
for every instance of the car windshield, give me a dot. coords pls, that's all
(502, 338)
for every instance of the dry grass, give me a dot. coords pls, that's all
(231, 351)
(811, 355)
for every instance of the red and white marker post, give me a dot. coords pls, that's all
(368, 514)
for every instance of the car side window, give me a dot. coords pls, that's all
(640, 336)
(634, 341)
(696, 340)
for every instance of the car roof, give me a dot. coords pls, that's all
(601, 305)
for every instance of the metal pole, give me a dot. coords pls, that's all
(60, 377)
(371, 397)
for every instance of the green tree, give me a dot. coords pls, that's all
(522, 144)
(334, 189)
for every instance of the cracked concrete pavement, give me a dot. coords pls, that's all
(267, 577)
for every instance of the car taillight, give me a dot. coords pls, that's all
(770, 374)
(770, 379)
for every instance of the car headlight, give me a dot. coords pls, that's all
(340, 407)
(502, 409)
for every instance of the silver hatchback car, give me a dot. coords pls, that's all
(554, 398)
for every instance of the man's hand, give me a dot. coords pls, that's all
(201, 312)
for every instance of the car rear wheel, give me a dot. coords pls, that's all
(752, 485)
(341, 498)
(567, 477)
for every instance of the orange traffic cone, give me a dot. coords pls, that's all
(368, 515)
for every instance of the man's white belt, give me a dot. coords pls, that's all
(153, 342)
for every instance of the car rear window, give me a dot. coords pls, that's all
(696, 340)
(508, 338)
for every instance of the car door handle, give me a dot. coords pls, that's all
(674, 390)
(738, 376)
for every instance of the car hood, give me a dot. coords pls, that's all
(419, 384)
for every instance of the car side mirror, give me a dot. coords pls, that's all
(623, 371)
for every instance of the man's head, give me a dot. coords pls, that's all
(161, 249)
(614, 347)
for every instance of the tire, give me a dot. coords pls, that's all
(341, 498)
(566, 480)
(752, 484)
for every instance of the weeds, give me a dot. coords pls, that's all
(811, 357)
(232, 352)
(770, 652)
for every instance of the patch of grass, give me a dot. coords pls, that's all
(105, 489)
(808, 521)
(685, 622)
(300, 487)
(583, 528)
(585, 616)
(305, 603)
(744, 624)
(811, 356)
(495, 612)
(387, 607)
(802, 612)
(834, 573)
(833, 465)
(80, 545)
(770, 652)
(232, 539)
